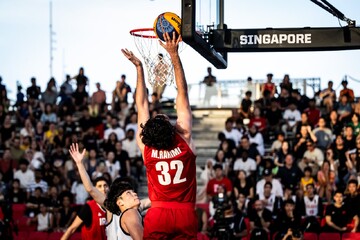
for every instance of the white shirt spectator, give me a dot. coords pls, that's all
(113, 168)
(120, 133)
(315, 155)
(80, 193)
(132, 148)
(259, 140)
(24, 177)
(234, 135)
(32, 185)
(292, 116)
(133, 126)
(276, 187)
(248, 166)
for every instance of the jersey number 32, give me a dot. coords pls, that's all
(165, 178)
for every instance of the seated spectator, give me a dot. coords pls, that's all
(300, 146)
(292, 118)
(334, 124)
(260, 217)
(48, 116)
(256, 138)
(44, 219)
(15, 149)
(270, 201)
(279, 159)
(258, 121)
(306, 179)
(243, 185)
(80, 97)
(349, 138)
(231, 132)
(37, 182)
(243, 204)
(240, 229)
(78, 191)
(336, 216)
(311, 209)
(87, 121)
(245, 106)
(274, 117)
(352, 199)
(220, 179)
(33, 204)
(313, 157)
(113, 166)
(24, 174)
(15, 193)
(344, 109)
(27, 130)
(287, 219)
(109, 144)
(90, 139)
(7, 165)
(66, 213)
(277, 143)
(276, 185)
(246, 164)
(324, 136)
(304, 122)
(220, 159)
(355, 124)
(289, 174)
(245, 145)
(115, 128)
(229, 148)
(313, 113)
(326, 181)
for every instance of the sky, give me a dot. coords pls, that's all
(91, 34)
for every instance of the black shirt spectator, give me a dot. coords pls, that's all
(290, 174)
(33, 91)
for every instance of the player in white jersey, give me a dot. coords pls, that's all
(113, 229)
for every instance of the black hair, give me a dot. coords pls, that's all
(353, 181)
(98, 179)
(118, 187)
(158, 133)
(308, 169)
(268, 183)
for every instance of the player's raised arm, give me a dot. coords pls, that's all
(78, 157)
(184, 120)
(141, 96)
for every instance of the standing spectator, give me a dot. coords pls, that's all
(274, 117)
(245, 106)
(346, 92)
(98, 98)
(20, 96)
(68, 89)
(286, 83)
(328, 97)
(50, 94)
(81, 79)
(336, 216)
(33, 91)
(210, 90)
(269, 86)
(80, 97)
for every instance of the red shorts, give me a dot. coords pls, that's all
(168, 220)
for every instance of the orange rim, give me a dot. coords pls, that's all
(143, 33)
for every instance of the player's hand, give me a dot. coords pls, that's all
(171, 43)
(75, 154)
(132, 58)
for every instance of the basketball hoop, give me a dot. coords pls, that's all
(159, 67)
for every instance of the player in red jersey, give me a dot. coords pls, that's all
(169, 156)
(92, 215)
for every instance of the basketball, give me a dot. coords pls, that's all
(167, 22)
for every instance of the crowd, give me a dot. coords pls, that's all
(306, 181)
(35, 136)
(293, 165)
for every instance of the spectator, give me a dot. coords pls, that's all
(210, 90)
(246, 164)
(311, 209)
(349, 138)
(109, 144)
(270, 201)
(274, 117)
(292, 117)
(7, 165)
(312, 157)
(348, 92)
(276, 185)
(328, 97)
(37, 182)
(250, 148)
(68, 89)
(289, 174)
(324, 136)
(258, 121)
(49, 115)
(336, 216)
(78, 191)
(113, 167)
(115, 128)
(66, 213)
(230, 132)
(98, 98)
(256, 138)
(7, 131)
(245, 106)
(306, 136)
(279, 159)
(243, 185)
(355, 124)
(50, 94)
(352, 199)
(220, 179)
(33, 91)
(260, 217)
(344, 109)
(87, 121)
(224, 162)
(90, 139)
(33, 203)
(16, 194)
(326, 181)
(269, 86)
(24, 174)
(287, 219)
(313, 113)
(80, 97)
(306, 179)
(44, 219)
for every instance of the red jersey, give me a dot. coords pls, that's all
(171, 173)
(98, 223)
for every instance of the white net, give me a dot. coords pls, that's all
(157, 61)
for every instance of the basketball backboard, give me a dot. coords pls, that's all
(196, 31)
(203, 28)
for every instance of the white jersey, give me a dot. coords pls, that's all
(311, 206)
(270, 201)
(114, 230)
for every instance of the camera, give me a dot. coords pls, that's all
(223, 226)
